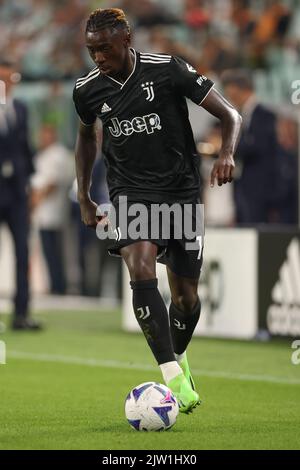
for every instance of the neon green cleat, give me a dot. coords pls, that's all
(186, 370)
(187, 398)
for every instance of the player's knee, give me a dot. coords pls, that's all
(186, 302)
(140, 269)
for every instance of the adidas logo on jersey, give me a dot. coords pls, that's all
(148, 123)
(283, 316)
(105, 108)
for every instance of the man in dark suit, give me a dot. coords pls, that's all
(15, 168)
(257, 173)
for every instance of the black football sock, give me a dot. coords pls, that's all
(182, 326)
(152, 316)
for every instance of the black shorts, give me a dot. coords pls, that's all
(180, 242)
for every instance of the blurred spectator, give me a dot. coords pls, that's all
(257, 174)
(244, 18)
(271, 27)
(272, 23)
(89, 245)
(195, 14)
(218, 201)
(53, 107)
(288, 166)
(161, 41)
(94, 262)
(43, 35)
(49, 202)
(219, 54)
(15, 168)
(148, 13)
(47, 38)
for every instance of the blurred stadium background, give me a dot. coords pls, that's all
(250, 285)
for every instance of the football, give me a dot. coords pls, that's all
(151, 406)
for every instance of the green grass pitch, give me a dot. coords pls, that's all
(64, 388)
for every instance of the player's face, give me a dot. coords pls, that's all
(108, 49)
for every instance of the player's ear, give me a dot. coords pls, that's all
(127, 39)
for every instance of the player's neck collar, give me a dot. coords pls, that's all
(122, 84)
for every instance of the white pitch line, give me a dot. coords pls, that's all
(142, 367)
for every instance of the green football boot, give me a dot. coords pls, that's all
(187, 398)
(186, 370)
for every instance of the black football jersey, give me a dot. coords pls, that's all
(148, 143)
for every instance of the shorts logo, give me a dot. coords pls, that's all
(118, 234)
(148, 123)
(148, 87)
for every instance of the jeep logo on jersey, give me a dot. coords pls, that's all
(138, 124)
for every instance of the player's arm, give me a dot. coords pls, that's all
(231, 122)
(85, 155)
(198, 88)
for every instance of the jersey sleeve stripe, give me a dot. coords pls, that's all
(87, 76)
(154, 59)
(206, 94)
(160, 56)
(81, 80)
(87, 80)
(148, 61)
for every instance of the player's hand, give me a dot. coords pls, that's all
(222, 170)
(88, 209)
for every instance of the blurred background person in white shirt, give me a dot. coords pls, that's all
(50, 203)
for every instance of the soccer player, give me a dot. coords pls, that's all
(151, 158)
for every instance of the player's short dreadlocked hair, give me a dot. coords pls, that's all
(107, 18)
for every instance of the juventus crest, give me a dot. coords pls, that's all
(148, 88)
